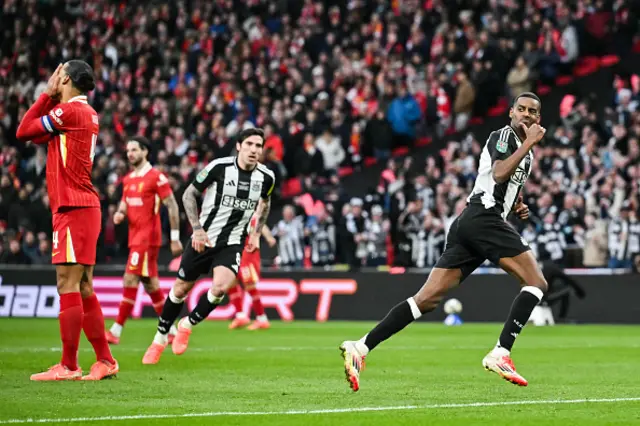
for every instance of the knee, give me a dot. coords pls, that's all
(65, 284)
(181, 289)
(218, 289)
(130, 280)
(539, 282)
(150, 286)
(86, 289)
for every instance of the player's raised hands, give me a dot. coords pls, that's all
(535, 132)
(54, 82)
(200, 240)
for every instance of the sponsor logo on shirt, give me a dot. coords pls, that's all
(238, 204)
(134, 201)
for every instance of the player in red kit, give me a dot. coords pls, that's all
(142, 192)
(249, 275)
(62, 118)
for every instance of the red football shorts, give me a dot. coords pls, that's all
(75, 235)
(143, 261)
(249, 271)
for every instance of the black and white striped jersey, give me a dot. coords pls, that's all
(230, 198)
(551, 242)
(619, 238)
(486, 191)
(290, 237)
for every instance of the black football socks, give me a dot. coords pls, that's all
(398, 318)
(520, 312)
(170, 312)
(205, 306)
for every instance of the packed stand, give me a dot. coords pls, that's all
(332, 82)
(583, 195)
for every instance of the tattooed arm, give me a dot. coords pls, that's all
(262, 213)
(190, 203)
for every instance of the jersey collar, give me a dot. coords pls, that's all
(143, 171)
(82, 99)
(237, 166)
(516, 134)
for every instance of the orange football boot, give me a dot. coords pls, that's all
(239, 322)
(57, 373)
(259, 325)
(102, 370)
(181, 341)
(153, 353)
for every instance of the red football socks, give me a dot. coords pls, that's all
(70, 319)
(236, 294)
(93, 326)
(257, 303)
(157, 298)
(129, 295)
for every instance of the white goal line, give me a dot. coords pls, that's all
(320, 411)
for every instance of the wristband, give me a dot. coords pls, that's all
(175, 235)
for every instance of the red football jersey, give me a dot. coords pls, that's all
(74, 126)
(143, 192)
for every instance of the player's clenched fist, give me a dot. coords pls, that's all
(535, 132)
(200, 240)
(521, 209)
(118, 217)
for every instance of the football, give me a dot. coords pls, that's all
(452, 306)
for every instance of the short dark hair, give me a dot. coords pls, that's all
(81, 75)
(244, 134)
(527, 95)
(142, 141)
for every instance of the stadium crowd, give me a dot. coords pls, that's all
(331, 82)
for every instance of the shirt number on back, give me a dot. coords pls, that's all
(94, 139)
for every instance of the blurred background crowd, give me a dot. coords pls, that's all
(338, 84)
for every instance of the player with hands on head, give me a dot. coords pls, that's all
(63, 119)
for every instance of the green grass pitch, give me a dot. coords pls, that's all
(293, 374)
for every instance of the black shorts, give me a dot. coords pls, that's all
(194, 264)
(479, 234)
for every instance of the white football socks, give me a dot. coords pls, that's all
(361, 347)
(161, 339)
(116, 329)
